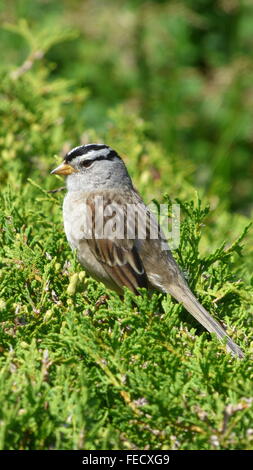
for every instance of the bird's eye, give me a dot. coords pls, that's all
(87, 163)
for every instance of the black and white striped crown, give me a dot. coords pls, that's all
(93, 151)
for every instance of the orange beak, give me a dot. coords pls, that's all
(63, 169)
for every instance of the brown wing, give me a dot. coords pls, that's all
(119, 256)
(122, 263)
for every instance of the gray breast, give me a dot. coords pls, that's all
(78, 230)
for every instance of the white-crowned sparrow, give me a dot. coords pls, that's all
(103, 217)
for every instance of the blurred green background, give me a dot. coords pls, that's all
(185, 67)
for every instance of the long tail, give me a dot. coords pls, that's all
(183, 294)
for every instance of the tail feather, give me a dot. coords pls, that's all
(184, 295)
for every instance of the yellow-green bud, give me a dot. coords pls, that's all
(71, 290)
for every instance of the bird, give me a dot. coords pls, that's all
(109, 226)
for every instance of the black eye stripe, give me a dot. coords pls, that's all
(87, 163)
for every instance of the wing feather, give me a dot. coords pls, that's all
(119, 257)
(123, 265)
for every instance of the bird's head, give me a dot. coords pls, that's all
(91, 166)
